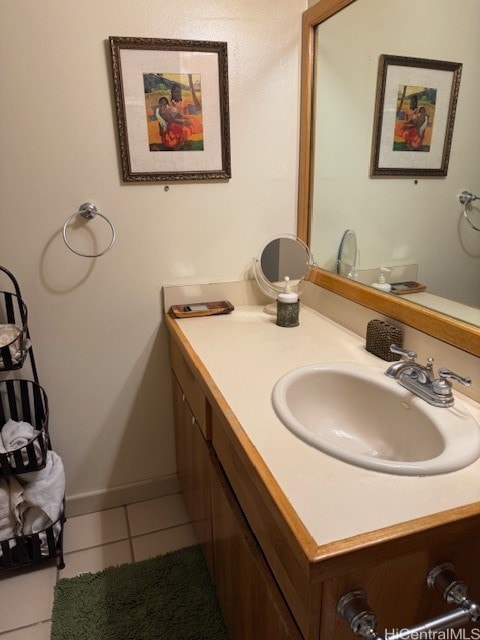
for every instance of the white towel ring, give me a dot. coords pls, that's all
(465, 198)
(88, 210)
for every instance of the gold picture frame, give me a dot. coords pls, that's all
(171, 102)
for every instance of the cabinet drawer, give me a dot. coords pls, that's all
(191, 388)
(397, 590)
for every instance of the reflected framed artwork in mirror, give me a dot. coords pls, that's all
(414, 116)
(171, 99)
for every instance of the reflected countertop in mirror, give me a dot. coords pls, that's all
(448, 307)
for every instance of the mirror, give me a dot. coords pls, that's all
(347, 257)
(281, 257)
(336, 192)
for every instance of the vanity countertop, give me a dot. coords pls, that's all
(245, 353)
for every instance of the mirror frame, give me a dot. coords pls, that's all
(448, 329)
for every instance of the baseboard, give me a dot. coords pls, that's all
(82, 503)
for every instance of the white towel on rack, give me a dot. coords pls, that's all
(7, 518)
(17, 434)
(11, 492)
(41, 503)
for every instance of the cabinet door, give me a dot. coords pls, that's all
(252, 604)
(193, 470)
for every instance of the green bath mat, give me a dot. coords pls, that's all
(169, 597)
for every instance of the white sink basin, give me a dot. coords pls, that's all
(357, 414)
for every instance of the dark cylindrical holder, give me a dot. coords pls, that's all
(287, 314)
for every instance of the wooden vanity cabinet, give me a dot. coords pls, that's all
(251, 601)
(272, 580)
(392, 572)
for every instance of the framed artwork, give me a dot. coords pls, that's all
(171, 100)
(414, 116)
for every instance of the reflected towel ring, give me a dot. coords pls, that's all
(88, 211)
(465, 198)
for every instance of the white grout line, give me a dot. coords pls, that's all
(28, 626)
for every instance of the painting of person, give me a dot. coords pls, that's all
(170, 127)
(414, 128)
(413, 124)
(174, 107)
(189, 108)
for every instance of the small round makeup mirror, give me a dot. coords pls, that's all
(280, 257)
(347, 255)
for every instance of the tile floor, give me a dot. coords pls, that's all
(91, 543)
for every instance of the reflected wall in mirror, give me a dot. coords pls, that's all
(413, 226)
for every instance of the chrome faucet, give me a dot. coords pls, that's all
(421, 381)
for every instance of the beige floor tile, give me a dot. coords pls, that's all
(159, 513)
(26, 598)
(94, 529)
(38, 632)
(160, 542)
(96, 559)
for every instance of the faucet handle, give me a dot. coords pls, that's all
(410, 355)
(443, 387)
(446, 373)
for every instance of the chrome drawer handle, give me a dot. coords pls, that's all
(355, 610)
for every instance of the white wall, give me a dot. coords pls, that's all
(100, 345)
(397, 220)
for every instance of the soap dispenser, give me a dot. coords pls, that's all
(287, 306)
(382, 284)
